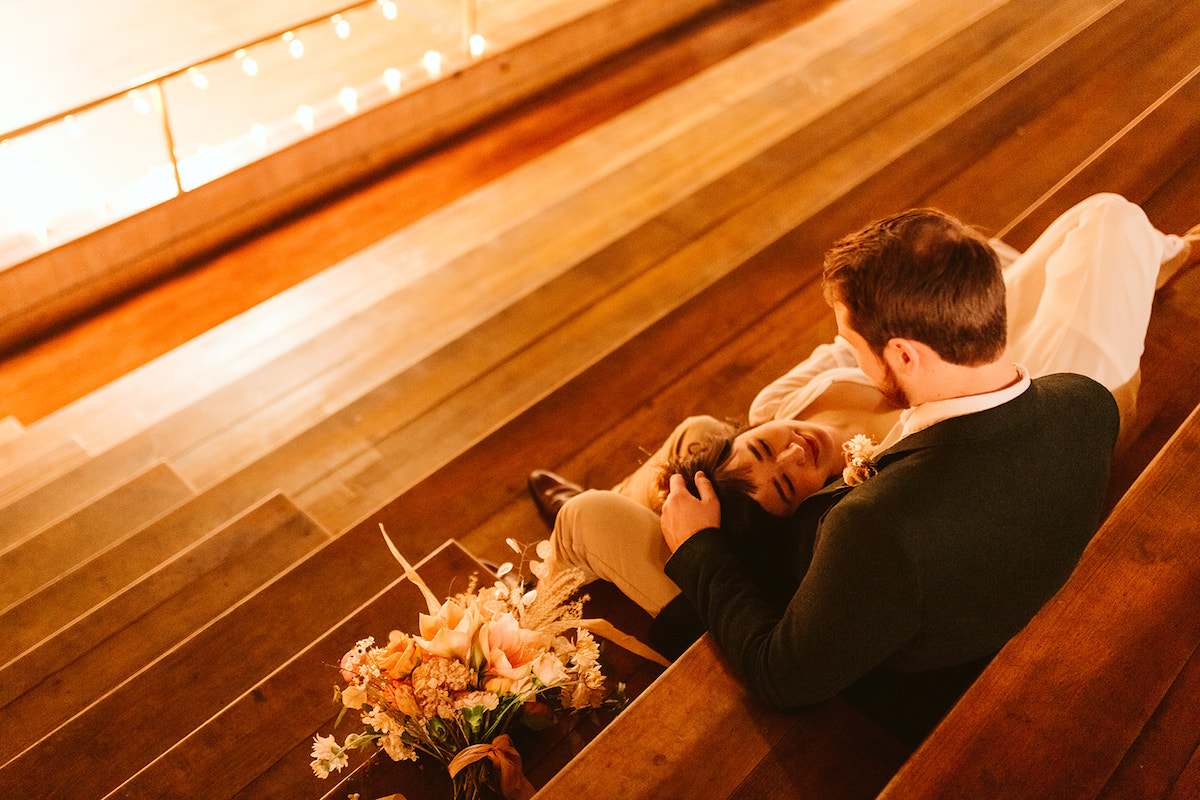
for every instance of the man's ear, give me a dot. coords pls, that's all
(908, 356)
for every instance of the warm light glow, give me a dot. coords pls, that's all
(295, 46)
(73, 126)
(389, 10)
(341, 26)
(392, 79)
(258, 134)
(306, 117)
(140, 103)
(476, 45)
(349, 99)
(433, 63)
(198, 78)
(249, 65)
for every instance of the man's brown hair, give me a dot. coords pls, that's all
(921, 275)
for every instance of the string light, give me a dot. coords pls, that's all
(258, 134)
(476, 45)
(341, 26)
(73, 126)
(198, 78)
(306, 118)
(433, 63)
(295, 46)
(389, 10)
(392, 80)
(349, 99)
(140, 103)
(249, 65)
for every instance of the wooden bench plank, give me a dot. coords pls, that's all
(281, 713)
(162, 703)
(38, 558)
(122, 593)
(1085, 121)
(1076, 687)
(697, 732)
(1165, 745)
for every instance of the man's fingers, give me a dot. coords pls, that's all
(704, 487)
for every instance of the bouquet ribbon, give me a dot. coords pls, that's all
(507, 761)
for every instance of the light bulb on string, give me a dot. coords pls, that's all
(197, 77)
(249, 65)
(433, 63)
(392, 80)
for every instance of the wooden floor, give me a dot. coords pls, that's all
(191, 484)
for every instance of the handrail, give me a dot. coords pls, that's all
(166, 74)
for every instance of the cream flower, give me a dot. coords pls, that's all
(354, 696)
(327, 756)
(451, 632)
(860, 459)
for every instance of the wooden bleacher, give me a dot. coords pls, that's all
(187, 548)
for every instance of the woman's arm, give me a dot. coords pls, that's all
(825, 357)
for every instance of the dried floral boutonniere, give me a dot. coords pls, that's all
(860, 460)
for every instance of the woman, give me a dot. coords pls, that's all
(1078, 301)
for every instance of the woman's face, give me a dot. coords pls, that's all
(786, 461)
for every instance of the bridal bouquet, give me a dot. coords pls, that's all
(481, 663)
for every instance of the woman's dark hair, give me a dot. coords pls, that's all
(740, 513)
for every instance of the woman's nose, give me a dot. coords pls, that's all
(790, 453)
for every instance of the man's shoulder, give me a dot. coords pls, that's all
(1082, 396)
(1073, 385)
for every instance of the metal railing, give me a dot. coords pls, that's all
(91, 165)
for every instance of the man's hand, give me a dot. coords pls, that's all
(684, 515)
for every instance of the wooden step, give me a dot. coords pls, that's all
(78, 668)
(571, 178)
(37, 556)
(161, 704)
(30, 460)
(120, 596)
(396, 463)
(183, 433)
(279, 714)
(10, 428)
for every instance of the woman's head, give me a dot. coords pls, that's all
(770, 468)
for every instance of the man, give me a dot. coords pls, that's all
(902, 588)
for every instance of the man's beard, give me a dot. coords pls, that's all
(890, 387)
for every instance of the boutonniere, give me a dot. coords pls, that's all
(860, 459)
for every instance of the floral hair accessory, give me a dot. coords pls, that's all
(860, 459)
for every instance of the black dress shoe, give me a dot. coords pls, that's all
(549, 492)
